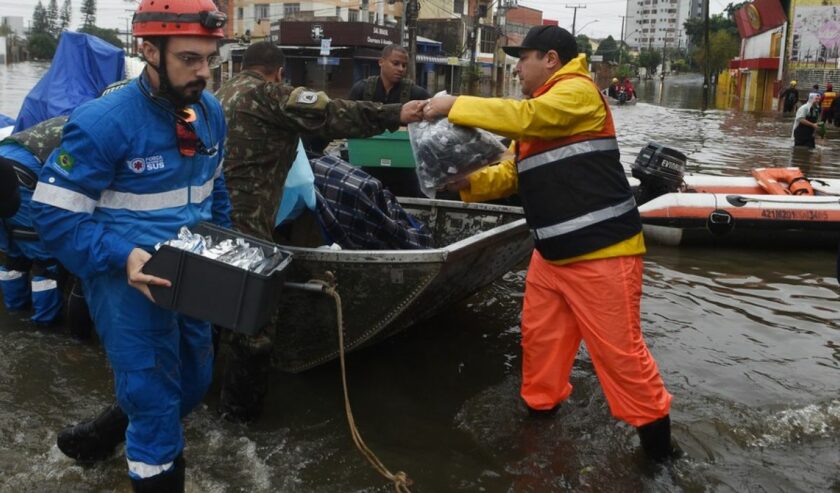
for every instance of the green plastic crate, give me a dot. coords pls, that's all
(387, 150)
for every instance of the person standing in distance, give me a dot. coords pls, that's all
(133, 167)
(584, 281)
(390, 86)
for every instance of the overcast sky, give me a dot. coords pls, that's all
(599, 19)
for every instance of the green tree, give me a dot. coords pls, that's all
(40, 22)
(110, 35)
(723, 46)
(584, 45)
(649, 59)
(66, 15)
(608, 48)
(41, 45)
(88, 13)
(52, 18)
(717, 22)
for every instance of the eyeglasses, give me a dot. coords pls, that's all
(188, 142)
(193, 61)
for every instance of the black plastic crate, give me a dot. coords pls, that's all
(214, 291)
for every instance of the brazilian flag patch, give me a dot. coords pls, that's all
(65, 160)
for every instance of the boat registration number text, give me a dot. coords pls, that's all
(798, 215)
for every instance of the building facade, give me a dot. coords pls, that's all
(655, 24)
(254, 17)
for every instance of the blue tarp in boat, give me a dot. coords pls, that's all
(83, 66)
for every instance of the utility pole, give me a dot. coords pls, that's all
(574, 17)
(706, 50)
(474, 43)
(664, 55)
(499, 22)
(621, 44)
(412, 11)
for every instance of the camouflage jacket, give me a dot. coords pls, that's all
(39, 139)
(265, 121)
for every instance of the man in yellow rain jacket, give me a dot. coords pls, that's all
(585, 277)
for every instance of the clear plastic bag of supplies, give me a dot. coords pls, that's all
(445, 153)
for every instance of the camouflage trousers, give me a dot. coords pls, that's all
(248, 359)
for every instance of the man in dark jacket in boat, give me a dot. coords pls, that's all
(584, 281)
(265, 121)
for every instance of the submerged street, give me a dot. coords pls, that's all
(748, 342)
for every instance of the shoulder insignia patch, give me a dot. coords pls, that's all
(303, 99)
(307, 97)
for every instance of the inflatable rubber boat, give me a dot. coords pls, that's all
(774, 207)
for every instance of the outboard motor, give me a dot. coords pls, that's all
(659, 170)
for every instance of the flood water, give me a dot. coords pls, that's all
(748, 342)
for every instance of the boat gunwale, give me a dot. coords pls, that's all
(432, 255)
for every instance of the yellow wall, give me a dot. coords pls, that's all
(756, 90)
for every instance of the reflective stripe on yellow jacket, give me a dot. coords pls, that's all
(567, 110)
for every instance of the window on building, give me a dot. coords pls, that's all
(353, 16)
(458, 6)
(261, 11)
(290, 9)
(240, 13)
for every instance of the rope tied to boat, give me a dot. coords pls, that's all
(400, 479)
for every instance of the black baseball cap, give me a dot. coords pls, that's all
(545, 39)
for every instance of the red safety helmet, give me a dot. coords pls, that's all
(178, 18)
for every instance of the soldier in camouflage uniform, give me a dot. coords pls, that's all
(26, 152)
(265, 121)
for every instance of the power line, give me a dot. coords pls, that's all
(574, 18)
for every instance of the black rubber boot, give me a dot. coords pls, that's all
(95, 439)
(542, 413)
(171, 481)
(245, 379)
(656, 440)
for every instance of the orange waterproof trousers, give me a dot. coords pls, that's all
(596, 301)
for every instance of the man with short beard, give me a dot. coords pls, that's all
(132, 168)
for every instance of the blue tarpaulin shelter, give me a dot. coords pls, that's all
(5, 121)
(83, 66)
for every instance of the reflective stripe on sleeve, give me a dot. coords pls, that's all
(584, 220)
(45, 285)
(10, 275)
(143, 470)
(63, 198)
(566, 152)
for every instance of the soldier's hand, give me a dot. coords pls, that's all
(136, 278)
(412, 111)
(438, 106)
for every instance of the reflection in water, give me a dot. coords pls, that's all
(748, 343)
(16, 79)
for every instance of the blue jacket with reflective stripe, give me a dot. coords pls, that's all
(118, 180)
(33, 249)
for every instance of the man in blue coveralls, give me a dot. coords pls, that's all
(133, 167)
(25, 152)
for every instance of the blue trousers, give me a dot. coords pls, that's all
(162, 363)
